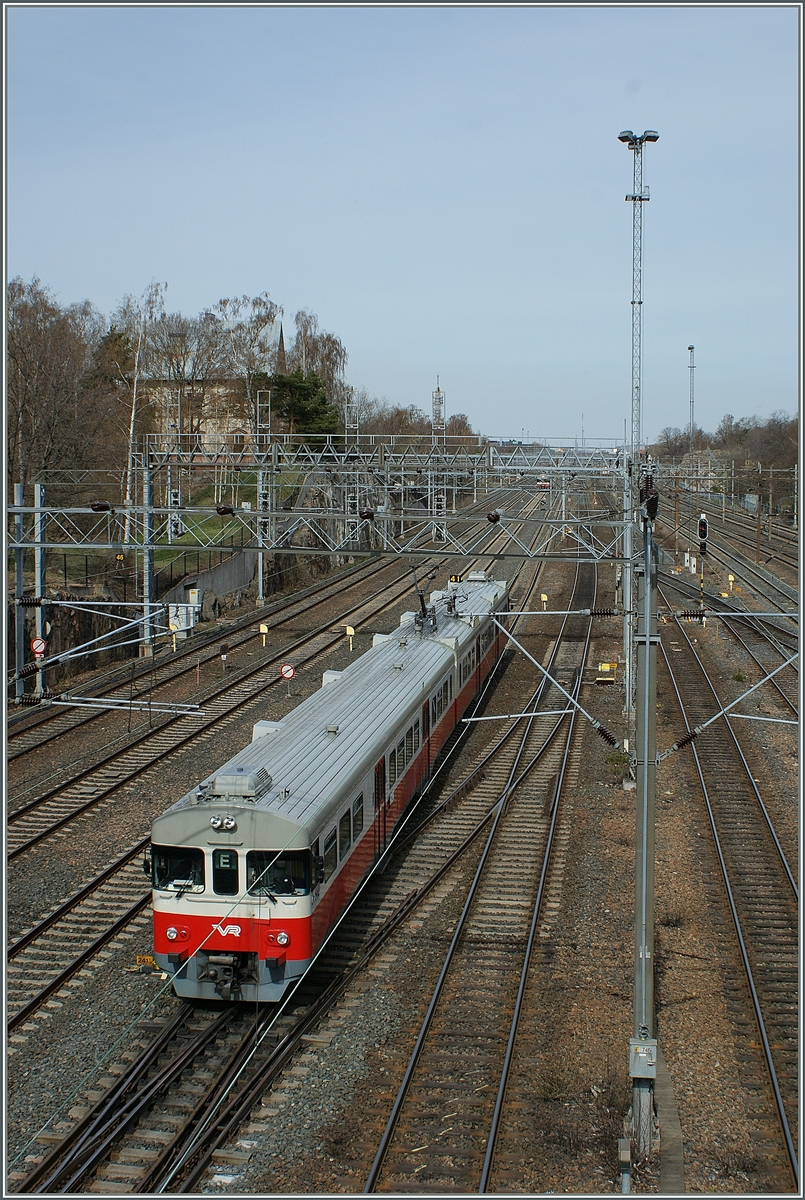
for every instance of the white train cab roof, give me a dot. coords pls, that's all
(298, 771)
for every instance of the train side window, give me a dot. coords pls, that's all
(416, 735)
(330, 854)
(177, 868)
(357, 817)
(450, 688)
(401, 757)
(344, 834)
(278, 872)
(392, 768)
(409, 745)
(225, 872)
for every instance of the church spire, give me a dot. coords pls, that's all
(282, 365)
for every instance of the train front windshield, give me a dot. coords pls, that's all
(178, 868)
(271, 872)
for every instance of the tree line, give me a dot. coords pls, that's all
(773, 442)
(82, 387)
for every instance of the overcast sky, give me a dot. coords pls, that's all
(444, 187)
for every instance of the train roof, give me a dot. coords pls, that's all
(301, 767)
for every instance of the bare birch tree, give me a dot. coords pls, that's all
(247, 335)
(136, 317)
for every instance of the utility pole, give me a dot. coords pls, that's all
(19, 592)
(691, 368)
(39, 569)
(637, 196)
(147, 648)
(643, 1043)
(627, 581)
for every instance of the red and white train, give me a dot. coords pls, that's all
(251, 868)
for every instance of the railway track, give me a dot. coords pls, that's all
(758, 638)
(30, 823)
(758, 885)
(782, 545)
(778, 592)
(464, 1049)
(152, 1137)
(33, 728)
(48, 954)
(35, 820)
(42, 960)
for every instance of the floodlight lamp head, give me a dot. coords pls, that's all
(626, 136)
(651, 135)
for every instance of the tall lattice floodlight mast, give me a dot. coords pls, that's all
(437, 420)
(638, 195)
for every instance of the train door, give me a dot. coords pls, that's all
(426, 737)
(379, 823)
(478, 664)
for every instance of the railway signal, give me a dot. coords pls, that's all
(703, 534)
(39, 646)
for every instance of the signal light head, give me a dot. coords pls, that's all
(703, 528)
(493, 517)
(224, 510)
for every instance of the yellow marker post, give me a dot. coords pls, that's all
(544, 600)
(350, 634)
(173, 629)
(263, 632)
(731, 579)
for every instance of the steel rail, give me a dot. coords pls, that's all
(242, 1106)
(499, 810)
(497, 1114)
(783, 860)
(89, 1142)
(120, 677)
(766, 628)
(438, 875)
(201, 644)
(74, 901)
(200, 727)
(59, 980)
(789, 1142)
(231, 685)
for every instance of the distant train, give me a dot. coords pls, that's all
(252, 867)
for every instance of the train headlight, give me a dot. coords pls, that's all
(230, 823)
(283, 938)
(216, 822)
(171, 934)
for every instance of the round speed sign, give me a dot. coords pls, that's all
(287, 671)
